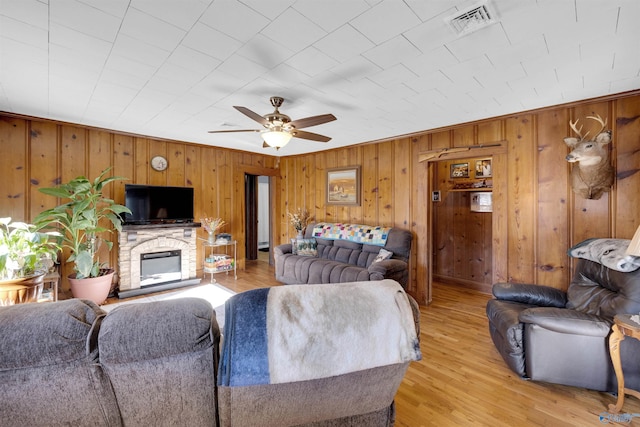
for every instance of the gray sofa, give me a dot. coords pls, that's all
(157, 364)
(340, 261)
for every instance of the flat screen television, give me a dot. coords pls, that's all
(150, 204)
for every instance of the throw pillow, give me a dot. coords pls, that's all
(608, 252)
(307, 247)
(382, 255)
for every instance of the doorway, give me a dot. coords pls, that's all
(498, 230)
(462, 222)
(257, 226)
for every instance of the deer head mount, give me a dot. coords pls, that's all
(593, 173)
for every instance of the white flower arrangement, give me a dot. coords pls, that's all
(211, 225)
(299, 219)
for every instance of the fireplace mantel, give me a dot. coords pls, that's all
(134, 227)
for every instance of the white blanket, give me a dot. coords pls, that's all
(332, 329)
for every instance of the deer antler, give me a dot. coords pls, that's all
(578, 131)
(598, 119)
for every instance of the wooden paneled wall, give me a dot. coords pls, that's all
(536, 216)
(38, 153)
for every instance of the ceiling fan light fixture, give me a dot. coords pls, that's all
(276, 139)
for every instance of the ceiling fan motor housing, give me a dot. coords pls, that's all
(276, 118)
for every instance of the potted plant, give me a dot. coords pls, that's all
(80, 220)
(25, 257)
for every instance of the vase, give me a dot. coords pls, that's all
(21, 290)
(212, 238)
(300, 235)
(95, 289)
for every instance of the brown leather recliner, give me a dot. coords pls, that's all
(544, 334)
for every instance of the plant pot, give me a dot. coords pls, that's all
(21, 290)
(95, 289)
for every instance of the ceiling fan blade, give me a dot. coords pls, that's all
(310, 136)
(255, 116)
(235, 130)
(312, 121)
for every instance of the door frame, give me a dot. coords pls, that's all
(499, 223)
(273, 175)
(251, 216)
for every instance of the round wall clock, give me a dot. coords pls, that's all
(159, 163)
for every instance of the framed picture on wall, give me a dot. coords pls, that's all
(460, 170)
(483, 168)
(343, 186)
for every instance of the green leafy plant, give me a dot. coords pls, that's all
(24, 251)
(79, 220)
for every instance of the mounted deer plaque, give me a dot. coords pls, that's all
(593, 173)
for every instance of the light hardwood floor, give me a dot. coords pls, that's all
(461, 379)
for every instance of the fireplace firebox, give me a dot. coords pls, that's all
(160, 267)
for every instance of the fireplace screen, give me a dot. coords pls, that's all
(160, 267)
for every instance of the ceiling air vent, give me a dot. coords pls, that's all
(472, 19)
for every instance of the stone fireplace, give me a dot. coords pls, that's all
(154, 258)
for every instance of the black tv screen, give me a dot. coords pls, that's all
(151, 204)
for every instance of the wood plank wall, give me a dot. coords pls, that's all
(38, 153)
(538, 216)
(537, 220)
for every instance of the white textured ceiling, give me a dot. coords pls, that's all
(175, 69)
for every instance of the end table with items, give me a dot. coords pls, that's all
(623, 327)
(219, 257)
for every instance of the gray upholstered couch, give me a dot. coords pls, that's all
(339, 261)
(156, 364)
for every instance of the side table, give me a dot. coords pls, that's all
(52, 280)
(623, 327)
(219, 262)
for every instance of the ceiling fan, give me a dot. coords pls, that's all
(279, 128)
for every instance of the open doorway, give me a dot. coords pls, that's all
(258, 241)
(443, 176)
(462, 222)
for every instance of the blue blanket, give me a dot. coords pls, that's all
(303, 332)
